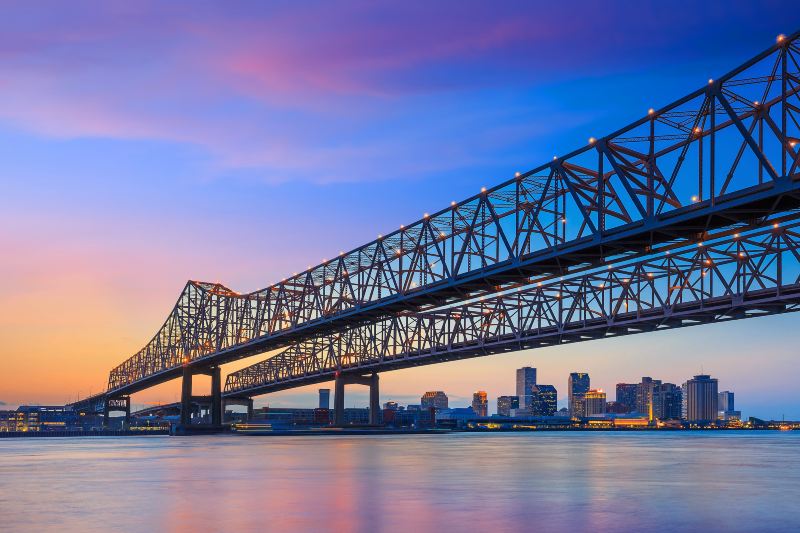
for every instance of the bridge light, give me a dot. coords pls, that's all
(402, 226)
(555, 158)
(591, 140)
(710, 81)
(442, 235)
(380, 237)
(452, 204)
(483, 189)
(780, 38)
(700, 244)
(755, 103)
(651, 111)
(517, 175)
(694, 198)
(426, 215)
(649, 274)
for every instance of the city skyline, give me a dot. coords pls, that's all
(87, 224)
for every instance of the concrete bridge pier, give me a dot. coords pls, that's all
(370, 380)
(245, 401)
(216, 396)
(186, 397)
(189, 402)
(118, 403)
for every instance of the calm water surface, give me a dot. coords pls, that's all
(717, 481)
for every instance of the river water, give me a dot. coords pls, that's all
(549, 481)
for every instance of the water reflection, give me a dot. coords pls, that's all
(733, 481)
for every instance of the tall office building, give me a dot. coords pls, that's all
(480, 404)
(506, 403)
(701, 399)
(727, 410)
(436, 399)
(526, 379)
(725, 401)
(626, 396)
(543, 400)
(324, 398)
(667, 401)
(594, 402)
(684, 398)
(645, 392)
(577, 387)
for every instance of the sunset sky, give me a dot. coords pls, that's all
(143, 144)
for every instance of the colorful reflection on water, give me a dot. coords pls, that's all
(731, 481)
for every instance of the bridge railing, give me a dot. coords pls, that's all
(734, 138)
(732, 276)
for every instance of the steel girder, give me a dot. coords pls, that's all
(724, 154)
(737, 275)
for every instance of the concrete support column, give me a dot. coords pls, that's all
(127, 412)
(338, 401)
(186, 397)
(216, 396)
(249, 409)
(374, 401)
(105, 414)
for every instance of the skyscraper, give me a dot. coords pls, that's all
(667, 400)
(626, 396)
(577, 387)
(526, 379)
(480, 404)
(727, 410)
(594, 402)
(726, 401)
(506, 403)
(644, 396)
(701, 399)
(543, 400)
(436, 399)
(324, 398)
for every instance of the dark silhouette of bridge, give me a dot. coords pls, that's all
(685, 216)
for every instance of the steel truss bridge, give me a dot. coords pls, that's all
(610, 239)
